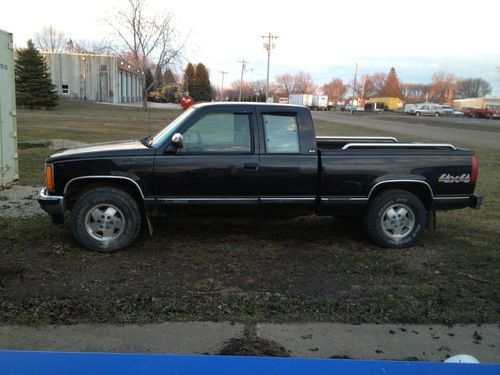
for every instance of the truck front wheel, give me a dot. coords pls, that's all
(106, 219)
(395, 219)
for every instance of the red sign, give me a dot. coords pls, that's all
(186, 101)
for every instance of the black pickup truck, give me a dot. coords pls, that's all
(255, 159)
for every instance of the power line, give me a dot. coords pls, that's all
(269, 45)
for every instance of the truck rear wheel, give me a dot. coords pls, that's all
(395, 219)
(106, 219)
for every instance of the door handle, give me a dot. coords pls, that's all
(250, 165)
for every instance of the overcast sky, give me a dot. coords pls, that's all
(323, 38)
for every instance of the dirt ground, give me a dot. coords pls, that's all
(315, 269)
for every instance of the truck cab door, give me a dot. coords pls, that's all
(215, 170)
(288, 161)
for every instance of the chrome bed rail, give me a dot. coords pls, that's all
(399, 145)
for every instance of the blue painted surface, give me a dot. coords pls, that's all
(33, 363)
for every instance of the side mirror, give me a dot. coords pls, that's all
(178, 140)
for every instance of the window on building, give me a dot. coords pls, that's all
(281, 133)
(65, 89)
(104, 68)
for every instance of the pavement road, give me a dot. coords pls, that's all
(308, 340)
(402, 125)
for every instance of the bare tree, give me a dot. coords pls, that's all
(92, 47)
(374, 85)
(472, 88)
(304, 83)
(443, 87)
(285, 84)
(335, 89)
(235, 88)
(49, 39)
(258, 90)
(146, 38)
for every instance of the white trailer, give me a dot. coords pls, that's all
(301, 99)
(9, 171)
(320, 102)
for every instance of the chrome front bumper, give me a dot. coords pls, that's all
(52, 204)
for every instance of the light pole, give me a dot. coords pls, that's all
(268, 45)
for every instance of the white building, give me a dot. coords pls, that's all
(100, 78)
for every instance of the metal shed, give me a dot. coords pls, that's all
(9, 171)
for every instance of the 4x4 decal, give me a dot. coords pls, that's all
(449, 179)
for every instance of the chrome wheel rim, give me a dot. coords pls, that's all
(104, 222)
(398, 221)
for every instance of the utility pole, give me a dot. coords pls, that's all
(243, 66)
(354, 84)
(222, 86)
(268, 45)
(363, 89)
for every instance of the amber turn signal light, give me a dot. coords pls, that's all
(49, 176)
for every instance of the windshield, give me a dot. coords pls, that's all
(168, 131)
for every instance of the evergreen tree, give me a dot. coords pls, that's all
(34, 88)
(202, 83)
(189, 78)
(392, 86)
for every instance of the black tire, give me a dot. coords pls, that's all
(417, 113)
(383, 228)
(115, 235)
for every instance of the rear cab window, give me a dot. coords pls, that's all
(281, 133)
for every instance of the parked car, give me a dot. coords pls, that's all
(426, 109)
(249, 158)
(446, 110)
(407, 108)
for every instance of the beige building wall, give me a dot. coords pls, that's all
(100, 78)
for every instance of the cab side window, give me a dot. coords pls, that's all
(219, 133)
(281, 133)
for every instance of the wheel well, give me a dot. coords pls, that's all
(78, 187)
(421, 190)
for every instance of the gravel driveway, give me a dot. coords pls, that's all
(20, 202)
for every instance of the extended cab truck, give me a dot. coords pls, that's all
(255, 158)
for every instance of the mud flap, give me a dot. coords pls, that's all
(150, 224)
(431, 220)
